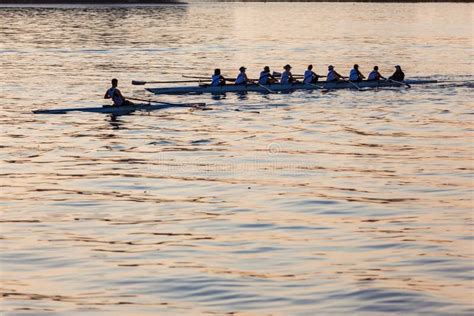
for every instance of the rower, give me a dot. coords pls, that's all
(310, 76)
(286, 76)
(355, 74)
(217, 79)
(116, 96)
(375, 75)
(398, 75)
(266, 77)
(241, 77)
(333, 75)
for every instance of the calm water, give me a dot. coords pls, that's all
(289, 204)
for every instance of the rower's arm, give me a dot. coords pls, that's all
(107, 96)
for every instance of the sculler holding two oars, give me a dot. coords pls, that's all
(116, 96)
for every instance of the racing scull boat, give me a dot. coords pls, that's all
(121, 110)
(285, 87)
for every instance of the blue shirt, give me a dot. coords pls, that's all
(241, 78)
(263, 79)
(285, 77)
(374, 75)
(308, 76)
(354, 75)
(216, 80)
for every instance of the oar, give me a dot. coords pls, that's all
(207, 78)
(196, 77)
(356, 86)
(262, 86)
(400, 83)
(278, 74)
(167, 103)
(140, 82)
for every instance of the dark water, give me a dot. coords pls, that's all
(288, 204)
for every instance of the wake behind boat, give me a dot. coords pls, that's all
(278, 87)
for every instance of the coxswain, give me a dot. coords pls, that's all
(266, 77)
(355, 74)
(398, 75)
(375, 75)
(333, 75)
(241, 77)
(310, 76)
(286, 76)
(116, 96)
(217, 79)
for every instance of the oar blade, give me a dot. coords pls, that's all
(138, 82)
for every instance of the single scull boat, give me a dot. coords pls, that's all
(121, 110)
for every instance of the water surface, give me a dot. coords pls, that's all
(302, 203)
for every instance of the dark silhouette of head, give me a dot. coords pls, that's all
(330, 67)
(266, 68)
(310, 67)
(114, 82)
(242, 69)
(356, 66)
(217, 71)
(287, 67)
(376, 67)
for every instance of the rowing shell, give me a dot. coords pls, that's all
(284, 87)
(120, 110)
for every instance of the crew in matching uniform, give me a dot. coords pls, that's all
(355, 74)
(286, 76)
(217, 79)
(398, 75)
(333, 75)
(116, 96)
(310, 76)
(375, 75)
(241, 77)
(266, 77)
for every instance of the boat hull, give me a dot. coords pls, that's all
(118, 110)
(283, 87)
